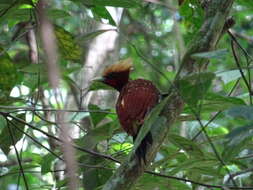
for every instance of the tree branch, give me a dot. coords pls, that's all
(205, 40)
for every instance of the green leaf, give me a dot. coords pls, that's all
(208, 170)
(214, 102)
(101, 12)
(244, 111)
(32, 80)
(152, 119)
(226, 101)
(25, 166)
(116, 3)
(7, 2)
(15, 13)
(152, 182)
(7, 100)
(8, 73)
(61, 183)
(218, 54)
(228, 76)
(216, 131)
(190, 164)
(177, 185)
(2, 123)
(187, 145)
(96, 84)
(97, 114)
(46, 163)
(57, 13)
(71, 83)
(36, 157)
(92, 35)
(71, 69)
(21, 14)
(193, 88)
(193, 16)
(94, 177)
(239, 134)
(32, 68)
(237, 140)
(111, 3)
(69, 48)
(248, 4)
(94, 136)
(121, 147)
(5, 137)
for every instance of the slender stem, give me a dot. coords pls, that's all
(17, 155)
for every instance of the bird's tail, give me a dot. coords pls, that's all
(142, 149)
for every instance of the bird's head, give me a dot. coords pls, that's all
(117, 75)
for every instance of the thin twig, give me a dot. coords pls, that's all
(245, 157)
(57, 139)
(239, 173)
(214, 148)
(239, 45)
(17, 155)
(18, 108)
(194, 182)
(217, 114)
(139, 53)
(8, 8)
(247, 56)
(57, 156)
(247, 83)
(148, 172)
(34, 140)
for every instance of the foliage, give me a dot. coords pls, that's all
(211, 148)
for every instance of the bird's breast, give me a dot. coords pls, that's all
(136, 99)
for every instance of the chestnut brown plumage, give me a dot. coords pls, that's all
(136, 99)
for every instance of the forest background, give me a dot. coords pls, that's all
(58, 128)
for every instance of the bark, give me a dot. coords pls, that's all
(102, 52)
(205, 40)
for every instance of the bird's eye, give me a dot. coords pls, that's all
(112, 76)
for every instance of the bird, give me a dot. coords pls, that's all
(136, 99)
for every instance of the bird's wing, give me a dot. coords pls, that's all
(133, 105)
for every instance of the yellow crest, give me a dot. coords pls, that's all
(121, 66)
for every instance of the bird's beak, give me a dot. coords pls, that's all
(98, 83)
(98, 79)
